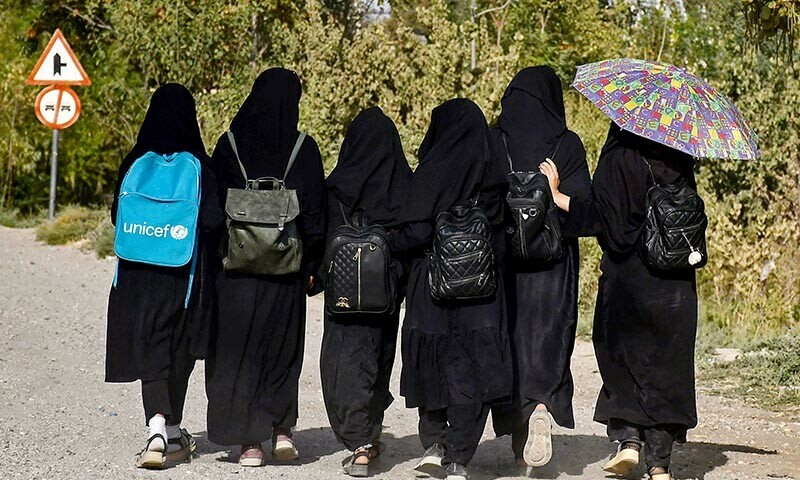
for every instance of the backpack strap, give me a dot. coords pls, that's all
(344, 215)
(232, 141)
(649, 169)
(295, 151)
(508, 152)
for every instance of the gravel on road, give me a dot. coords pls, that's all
(59, 420)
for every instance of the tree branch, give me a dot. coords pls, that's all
(493, 9)
(95, 22)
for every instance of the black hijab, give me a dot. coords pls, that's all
(453, 161)
(372, 173)
(622, 179)
(533, 120)
(169, 126)
(265, 127)
(667, 163)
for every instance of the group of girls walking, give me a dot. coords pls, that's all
(507, 354)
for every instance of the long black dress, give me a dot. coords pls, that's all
(645, 321)
(543, 298)
(150, 336)
(456, 356)
(254, 365)
(358, 351)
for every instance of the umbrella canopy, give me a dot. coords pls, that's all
(666, 104)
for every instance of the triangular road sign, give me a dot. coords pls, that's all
(58, 65)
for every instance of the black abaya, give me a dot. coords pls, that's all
(358, 351)
(645, 320)
(455, 354)
(254, 366)
(543, 299)
(150, 335)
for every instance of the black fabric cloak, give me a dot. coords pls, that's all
(645, 320)
(358, 352)
(543, 298)
(146, 316)
(257, 349)
(454, 353)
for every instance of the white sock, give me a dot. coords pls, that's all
(173, 432)
(158, 425)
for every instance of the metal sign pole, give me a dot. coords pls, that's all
(53, 174)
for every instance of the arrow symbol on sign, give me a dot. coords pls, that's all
(57, 64)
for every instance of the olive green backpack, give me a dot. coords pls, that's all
(263, 238)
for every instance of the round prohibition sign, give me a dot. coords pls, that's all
(58, 107)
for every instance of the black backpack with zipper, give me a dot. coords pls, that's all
(674, 234)
(535, 236)
(359, 270)
(462, 259)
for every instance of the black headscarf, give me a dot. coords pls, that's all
(533, 118)
(169, 126)
(265, 127)
(622, 179)
(453, 161)
(372, 173)
(667, 163)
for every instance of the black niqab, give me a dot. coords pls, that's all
(453, 161)
(621, 160)
(533, 118)
(169, 126)
(372, 173)
(265, 127)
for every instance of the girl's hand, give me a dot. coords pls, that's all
(549, 169)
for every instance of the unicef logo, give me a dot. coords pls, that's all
(179, 232)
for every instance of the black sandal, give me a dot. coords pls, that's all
(185, 447)
(152, 458)
(358, 469)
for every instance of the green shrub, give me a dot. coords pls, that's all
(767, 373)
(74, 223)
(101, 240)
(14, 219)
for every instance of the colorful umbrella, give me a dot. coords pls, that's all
(666, 104)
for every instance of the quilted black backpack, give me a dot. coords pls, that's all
(462, 259)
(535, 236)
(674, 235)
(359, 276)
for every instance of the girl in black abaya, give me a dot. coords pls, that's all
(645, 320)
(358, 352)
(257, 351)
(456, 355)
(543, 298)
(151, 336)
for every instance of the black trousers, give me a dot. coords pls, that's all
(167, 397)
(458, 428)
(657, 440)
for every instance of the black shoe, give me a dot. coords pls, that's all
(431, 462)
(456, 471)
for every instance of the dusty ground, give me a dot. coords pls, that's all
(58, 420)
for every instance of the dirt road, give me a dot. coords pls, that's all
(58, 420)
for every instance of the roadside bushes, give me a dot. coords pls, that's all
(73, 224)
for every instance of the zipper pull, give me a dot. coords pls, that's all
(357, 255)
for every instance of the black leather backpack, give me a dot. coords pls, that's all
(462, 260)
(674, 235)
(359, 270)
(535, 236)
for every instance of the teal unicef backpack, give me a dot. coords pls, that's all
(159, 205)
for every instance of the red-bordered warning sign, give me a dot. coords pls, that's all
(58, 65)
(58, 107)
